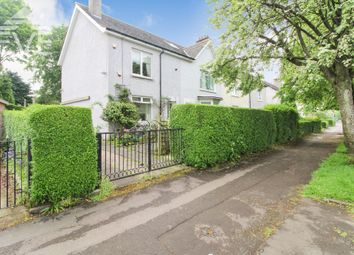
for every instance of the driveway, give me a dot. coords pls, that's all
(229, 212)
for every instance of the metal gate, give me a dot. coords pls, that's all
(128, 153)
(15, 171)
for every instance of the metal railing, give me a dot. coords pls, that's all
(128, 153)
(15, 172)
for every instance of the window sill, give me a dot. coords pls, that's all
(235, 96)
(210, 91)
(141, 77)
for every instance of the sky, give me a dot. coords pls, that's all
(180, 21)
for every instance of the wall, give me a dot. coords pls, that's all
(190, 79)
(85, 68)
(235, 101)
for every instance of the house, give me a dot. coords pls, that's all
(100, 52)
(255, 99)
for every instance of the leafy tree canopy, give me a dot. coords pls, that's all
(314, 39)
(6, 92)
(21, 90)
(44, 63)
(17, 33)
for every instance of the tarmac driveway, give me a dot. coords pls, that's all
(228, 212)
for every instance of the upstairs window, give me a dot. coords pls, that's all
(141, 63)
(206, 81)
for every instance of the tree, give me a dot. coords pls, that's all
(21, 90)
(17, 33)
(6, 92)
(44, 63)
(315, 36)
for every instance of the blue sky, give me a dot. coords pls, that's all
(181, 21)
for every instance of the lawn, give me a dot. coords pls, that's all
(334, 179)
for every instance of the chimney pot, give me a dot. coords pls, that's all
(95, 8)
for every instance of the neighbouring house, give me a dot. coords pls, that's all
(100, 52)
(255, 99)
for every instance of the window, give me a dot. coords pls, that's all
(141, 63)
(260, 96)
(236, 92)
(207, 102)
(144, 106)
(206, 81)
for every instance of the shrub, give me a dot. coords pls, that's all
(216, 134)
(308, 126)
(64, 150)
(286, 119)
(121, 114)
(324, 124)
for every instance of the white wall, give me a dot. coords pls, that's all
(190, 79)
(85, 68)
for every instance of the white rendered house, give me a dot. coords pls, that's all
(100, 52)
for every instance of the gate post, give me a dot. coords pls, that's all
(29, 161)
(99, 155)
(149, 151)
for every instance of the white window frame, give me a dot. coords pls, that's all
(236, 92)
(142, 54)
(200, 82)
(141, 100)
(206, 102)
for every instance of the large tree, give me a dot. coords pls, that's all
(6, 92)
(315, 37)
(44, 63)
(17, 34)
(21, 90)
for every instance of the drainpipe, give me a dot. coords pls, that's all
(250, 100)
(160, 106)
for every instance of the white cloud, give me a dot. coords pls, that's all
(45, 14)
(149, 20)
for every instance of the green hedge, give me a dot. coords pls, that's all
(216, 134)
(308, 126)
(63, 149)
(287, 122)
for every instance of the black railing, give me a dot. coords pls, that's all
(125, 154)
(14, 172)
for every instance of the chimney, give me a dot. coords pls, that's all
(95, 8)
(203, 38)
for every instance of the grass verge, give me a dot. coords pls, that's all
(334, 179)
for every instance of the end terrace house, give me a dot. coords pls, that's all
(100, 52)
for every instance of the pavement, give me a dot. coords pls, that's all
(254, 208)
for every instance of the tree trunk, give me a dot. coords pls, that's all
(343, 86)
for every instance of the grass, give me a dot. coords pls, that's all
(334, 179)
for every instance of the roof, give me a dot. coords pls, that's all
(119, 27)
(267, 84)
(2, 101)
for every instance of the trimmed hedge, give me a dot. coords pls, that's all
(287, 122)
(216, 134)
(308, 126)
(64, 150)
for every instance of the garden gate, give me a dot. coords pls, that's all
(128, 153)
(15, 159)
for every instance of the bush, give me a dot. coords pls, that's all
(286, 119)
(216, 134)
(121, 114)
(64, 150)
(308, 126)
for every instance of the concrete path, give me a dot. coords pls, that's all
(229, 212)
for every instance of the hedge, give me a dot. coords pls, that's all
(308, 126)
(287, 122)
(64, 150)
(216, 134)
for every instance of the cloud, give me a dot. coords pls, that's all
(149, 20)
